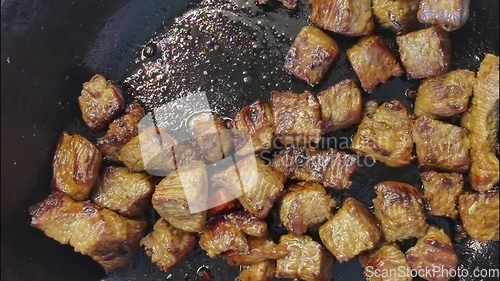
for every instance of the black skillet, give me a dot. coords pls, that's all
(50, 47)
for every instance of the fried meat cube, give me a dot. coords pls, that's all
(434, 249)
(108, 238)
(445, 95)
(449, 14)
(100, 102)
(479, 214)
(311, 55)
(167, 245)
(441, 193)
(346, 17)
(306, 259)
(399, 16)
(211, 135)
(400, 211)
(304, 205)
(76, 166)
(441, 145)
(297, 118)
(181, 197)
(385, 134)
(388, 259)
(259, 250)
(263, 271)
(120, 131)
(373, 62)
(122, 191)
(425, 52)
(341, 106)
(351, 231)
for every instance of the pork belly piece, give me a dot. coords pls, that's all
(445, 95)
(259, 250)
(387, 259)
(346, 17)
(479, 214)
(229, 233)
(76, 166)
(441, 192)
(449, 14)
(432, 250)
(167, 245)
(311, 55)
(120, 131)
(481, 120)
(304, 205)
(263, 271)
(425, 52)
(373, 62)
(341, 106)
(290, 4)
(351, 231)
(297, 118)
(441, 145)
(385, 134)
(181, 197)
(211, 135)
(221, 201)
(122, 191)
(400, 211)
(306, 259)
(399, 16)
(108, 238)
(100, 102)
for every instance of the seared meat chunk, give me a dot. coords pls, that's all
(400, 210)
(346, 17)
(385, 134)
(290, 4)
(441, 145)
(441, 192)
(479, 214)
(311, 55)
(449, 14)
(100, 102)
(260, 250)
(306, 259)
(122, 191)
(305, 205)
(108, 238)
(221, 203)
(432, 250)
(445, 95)
(351, 231)
(297, 118)
(373, 62)
(387, 259)
(263, 271)
(425, 52)
(181, 197)
(211, 136)
(341, 106)
(398, 15)
(76, 166)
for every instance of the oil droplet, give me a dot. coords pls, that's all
(248, 79)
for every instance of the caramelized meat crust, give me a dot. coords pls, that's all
(263, 271)
(449, 14)
(387, 259)
(211, 135)
(441, 192)
(259, 250)
(480, 216)
(399, 16)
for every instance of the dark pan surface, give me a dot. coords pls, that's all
(49, 49)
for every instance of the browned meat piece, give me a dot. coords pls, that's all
(297, 118)
(341, 106)
(222, 203)
(445, 95)
(120, 131)
(211, 135)
(400, 210)
(311, 55)
(433, 250)
(373, 62)
(441, 192)
(263, 271)
(122, 191)
(290, 4)
(481, 120)
(100, 102)
(306, 259)
(347, 17)
(167, 246)
(260, 250)
(228, 233)
(76, 166)
(351, 231)
(441, 145)
(386, 263)
(385, 134)
(181, 197)
(306, 204)
(449, 14)
(425, 52)
(105, 236)
(397, 15)
(479, 213)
